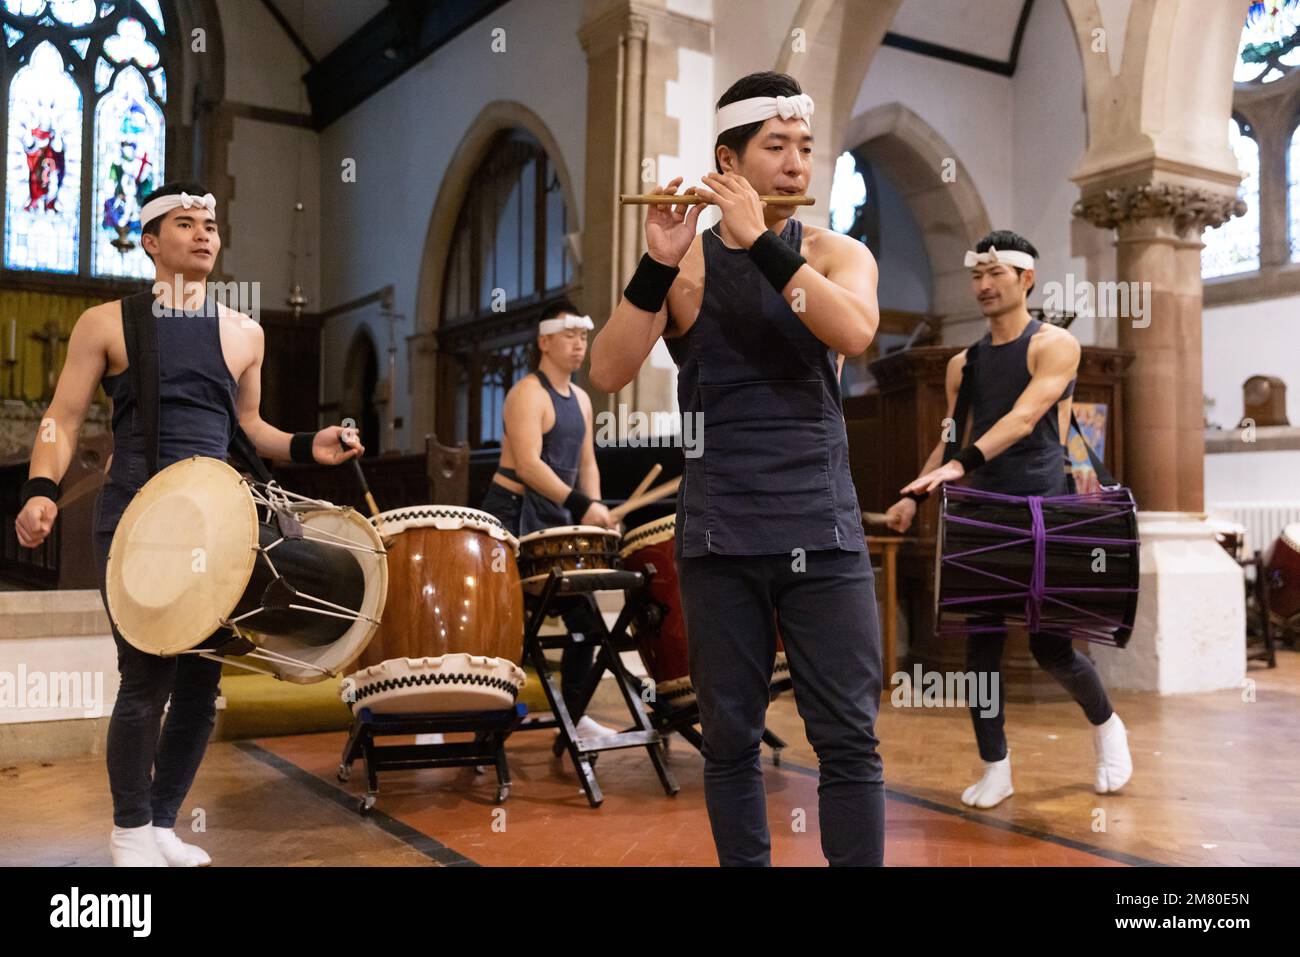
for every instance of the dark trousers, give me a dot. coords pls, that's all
(827, 616)
(1055, 655)
(581, 615)
(152, 762)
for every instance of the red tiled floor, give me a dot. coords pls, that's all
(547, 821)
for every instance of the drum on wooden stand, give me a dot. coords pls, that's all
(1062, 564)
(573, 549)
(207, 562)
(453, 632)
(660, 631)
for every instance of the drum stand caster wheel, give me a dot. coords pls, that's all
(345, 772)
(365, 804)
(503, 792)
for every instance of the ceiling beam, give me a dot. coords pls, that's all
(385, 47)
(965, 57)
(290, 32)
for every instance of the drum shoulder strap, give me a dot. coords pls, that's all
(1098, 466)
(961, 408)
(140, 331)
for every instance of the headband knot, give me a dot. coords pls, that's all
(756, 109)
(1008, 258)
(182, 200)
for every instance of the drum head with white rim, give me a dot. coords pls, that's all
(447, 517)
(560, 531)
(181, 555)
(651, 533)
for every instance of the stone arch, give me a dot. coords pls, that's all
(950, 211)
(494, 118)
(842, 38)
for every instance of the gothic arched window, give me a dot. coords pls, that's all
(84, 109)
(1234, 246)
(1293, 193)
(506, 257)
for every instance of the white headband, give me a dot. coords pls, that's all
(560, 323)
(165, 204)
(759, 108)
(1008, 258)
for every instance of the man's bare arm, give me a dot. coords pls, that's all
(623, 345)
(266, 438)
(839, 308)
(588, 471)
(56, 439)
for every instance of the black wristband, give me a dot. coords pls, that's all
(39, 486)
(917, 497)
(577, 503)
(300, 447)
(970, 458)
(775, 259)
(650, 284)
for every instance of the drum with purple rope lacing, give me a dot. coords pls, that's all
(1060, 564)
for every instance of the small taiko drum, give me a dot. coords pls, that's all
(1283, 576)
(573, 549)
(453, 630)
(660, 630)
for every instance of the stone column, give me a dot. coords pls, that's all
(632, 55)
(1158, 228)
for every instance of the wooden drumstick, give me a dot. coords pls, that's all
(874, 518)
(361, 477)
(645, 482)
(654, 495)
(690, 199)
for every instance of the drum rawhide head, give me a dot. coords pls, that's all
(181, 555)
(448, 517)
(651, 533)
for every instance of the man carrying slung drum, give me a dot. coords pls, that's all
(548, 477)
(1020, 407)
(757, 312)
(209, 369)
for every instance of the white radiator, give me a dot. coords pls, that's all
(1264, 521)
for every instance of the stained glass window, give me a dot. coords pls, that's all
(1234, 246)
(43, 185)
(128, 165)
(67, 59)
(1270, 43)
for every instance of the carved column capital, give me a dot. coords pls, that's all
(1190, 208)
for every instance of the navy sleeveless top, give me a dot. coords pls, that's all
(1036, 464)
(196, 414)
(773, 475)
(562, 451)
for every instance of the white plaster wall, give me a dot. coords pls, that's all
(403, 138)
(273, 166)
(1050, 129)
(263, 67)
(1253, 338)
